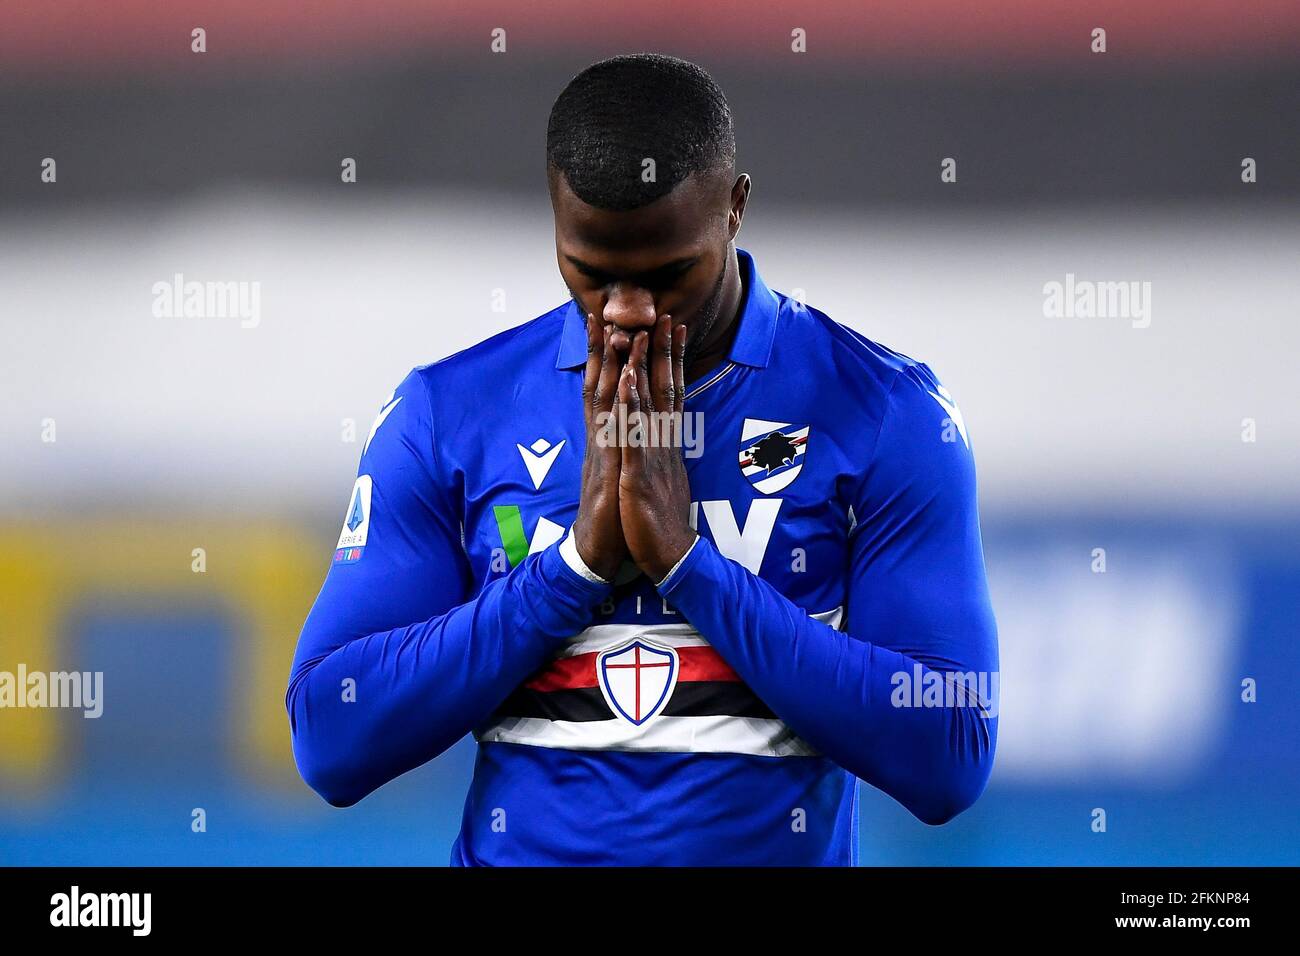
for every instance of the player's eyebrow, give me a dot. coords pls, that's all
(665, 271)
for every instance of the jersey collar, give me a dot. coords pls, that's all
(754, 334)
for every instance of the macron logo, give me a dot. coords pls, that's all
(538, 459)
(954, 413)
(379, 420)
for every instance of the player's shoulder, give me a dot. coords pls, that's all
(844, 358)
(530, 346)
(879, 394)
(449, 394)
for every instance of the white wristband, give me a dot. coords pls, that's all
(569, 552)
(673, 569)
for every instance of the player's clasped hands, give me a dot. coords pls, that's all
(635, 498)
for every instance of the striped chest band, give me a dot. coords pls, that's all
(643, 688)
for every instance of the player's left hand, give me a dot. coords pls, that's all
(654, 495)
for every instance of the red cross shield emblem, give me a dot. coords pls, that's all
(637, 679)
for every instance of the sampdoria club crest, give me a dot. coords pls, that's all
(772, 453)
(637, 679)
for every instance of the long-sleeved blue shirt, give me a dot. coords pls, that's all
(831, 623)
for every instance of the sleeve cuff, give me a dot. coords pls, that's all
(569, 552)
(677, 567)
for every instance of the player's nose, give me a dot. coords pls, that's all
(628, 309)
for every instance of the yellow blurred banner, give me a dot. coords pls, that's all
(265, 576)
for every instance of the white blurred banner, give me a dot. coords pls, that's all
(1074, 412)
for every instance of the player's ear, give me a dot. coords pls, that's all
(739, 198)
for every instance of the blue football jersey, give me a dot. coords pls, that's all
(812, 636)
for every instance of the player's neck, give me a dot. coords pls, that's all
(724, 329)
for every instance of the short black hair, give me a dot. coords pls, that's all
(619, 112)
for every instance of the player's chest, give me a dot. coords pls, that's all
(766, 485)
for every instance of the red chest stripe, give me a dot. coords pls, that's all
(572, 673)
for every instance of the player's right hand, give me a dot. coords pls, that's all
(597, 531)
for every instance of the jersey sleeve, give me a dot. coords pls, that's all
(905, 697)
(397, 659)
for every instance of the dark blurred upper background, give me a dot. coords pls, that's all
(883, 90)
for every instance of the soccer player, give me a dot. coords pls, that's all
(687, 557)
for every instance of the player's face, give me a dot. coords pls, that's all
(669, 257)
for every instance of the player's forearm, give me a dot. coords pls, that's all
(374, 707)
(836, 691)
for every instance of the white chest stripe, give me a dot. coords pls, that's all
(722, 734)
(600, 637)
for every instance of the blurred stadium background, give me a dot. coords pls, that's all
(1121, 690)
